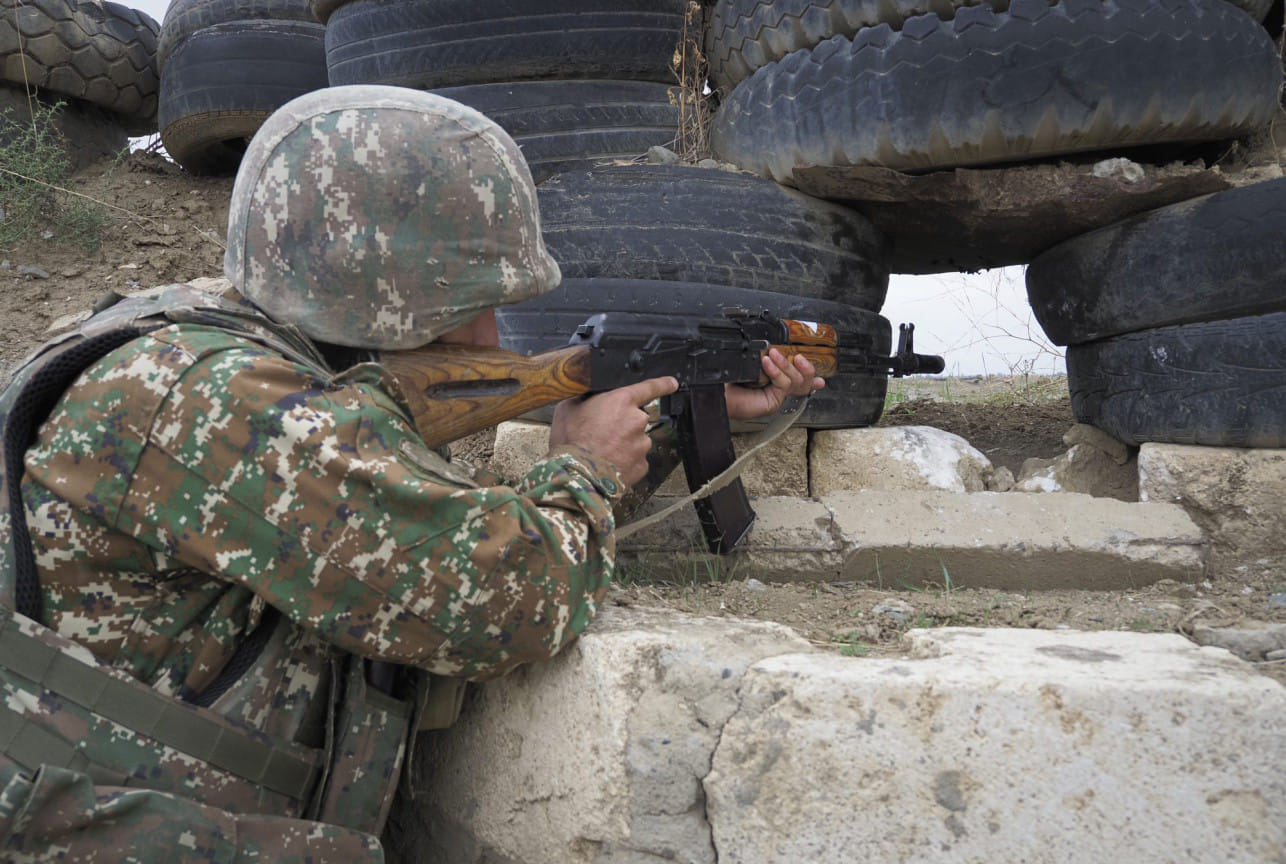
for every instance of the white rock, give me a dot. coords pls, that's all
(895, 457)
(1004, 745)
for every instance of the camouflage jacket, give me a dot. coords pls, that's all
(215, 468)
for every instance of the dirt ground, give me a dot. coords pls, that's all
(167, 226)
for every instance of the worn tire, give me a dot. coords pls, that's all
(101, 53)
(574, 125)
(743, 35)
(222, 82)
(1208, 258)
(850, 399)
(994, 87)
(1218, 383)
(185, 17)
(685, 224)
(449, 43)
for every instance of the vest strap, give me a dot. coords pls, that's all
(139, 708)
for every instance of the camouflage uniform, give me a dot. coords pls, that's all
(214, 474)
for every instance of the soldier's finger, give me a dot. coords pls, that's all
(644, 392)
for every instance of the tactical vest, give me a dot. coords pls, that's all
(335, 757)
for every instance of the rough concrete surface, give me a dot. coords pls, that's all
(909, 539)
(1235, 495)
(1009, 541)
(596, 756)
(661, 736)
(1004, 745)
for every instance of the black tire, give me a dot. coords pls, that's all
(743, 35)
(185, 17)
(850, 399)
(573, 125)
(1208, 258)
(1219, 383)
(221, 83)
(100, 53)
(994, 87)
(685, 224)
(448, 43)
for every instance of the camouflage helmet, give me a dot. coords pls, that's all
(382, 217)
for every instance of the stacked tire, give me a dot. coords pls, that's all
(97, 58)
(576, 83)
(876, 84)
(584, 87)
(225, 66)
(1176, 320)
(692, 242)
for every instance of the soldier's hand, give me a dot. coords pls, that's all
(785, 379)
(612, 425)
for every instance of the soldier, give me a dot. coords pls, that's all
(215, 513)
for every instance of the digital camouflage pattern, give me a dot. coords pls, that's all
(382, 217)
(216, 466)
(192, 471)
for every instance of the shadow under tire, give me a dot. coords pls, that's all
(1217, 383)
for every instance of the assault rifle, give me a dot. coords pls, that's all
(455, 390)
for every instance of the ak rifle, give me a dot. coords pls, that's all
(455, 390)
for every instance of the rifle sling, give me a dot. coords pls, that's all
(790, 411)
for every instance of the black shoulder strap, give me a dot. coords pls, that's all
(31, 408)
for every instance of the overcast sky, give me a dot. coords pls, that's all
(981, 323)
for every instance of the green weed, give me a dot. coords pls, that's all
(35, 170)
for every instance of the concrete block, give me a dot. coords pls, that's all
(895, 458)
(1004, 745)
(792, 539)
(1234, 494)
(1013, 542)
(596, 756)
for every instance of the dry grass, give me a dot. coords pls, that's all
(692, 96)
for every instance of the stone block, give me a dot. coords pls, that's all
(1013, 542)
(1234, 494)
(895, 458)
(596, 756)
(792, 539)
(1049, 747)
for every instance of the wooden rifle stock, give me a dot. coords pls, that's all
(456, 390)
